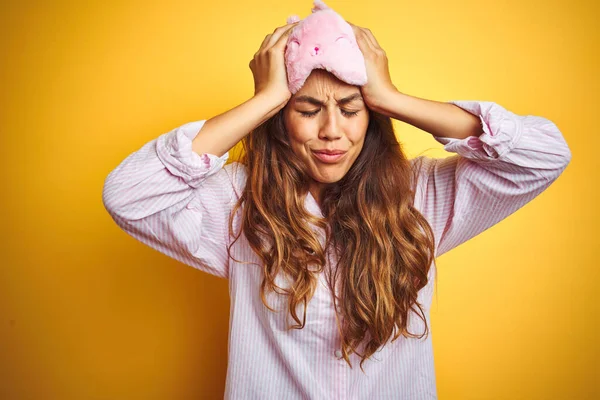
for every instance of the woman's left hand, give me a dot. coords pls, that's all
(379, 86)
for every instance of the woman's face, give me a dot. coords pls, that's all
(315, 121)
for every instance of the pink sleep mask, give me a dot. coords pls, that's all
(323, 40)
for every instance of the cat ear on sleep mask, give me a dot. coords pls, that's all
(323, 40)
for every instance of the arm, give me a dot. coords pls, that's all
(491, 176)
(175, 195)
(222, 132)
(435, 117)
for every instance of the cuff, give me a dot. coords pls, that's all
(174, 149)
(502, 130)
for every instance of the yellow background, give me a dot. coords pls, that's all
(87, 312)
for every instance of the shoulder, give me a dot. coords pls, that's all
(420, 167)
(236, 175)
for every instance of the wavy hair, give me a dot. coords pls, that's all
(384, 246)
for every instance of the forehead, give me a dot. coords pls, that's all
(324, 85)
(324, 81)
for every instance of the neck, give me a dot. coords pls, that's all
(315, 190)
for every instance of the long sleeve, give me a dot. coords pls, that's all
(175, 200)
(491, 176)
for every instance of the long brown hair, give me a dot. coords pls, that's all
(385, 246)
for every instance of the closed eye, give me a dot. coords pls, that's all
(307, 114)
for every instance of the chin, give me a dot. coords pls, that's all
(332, 177)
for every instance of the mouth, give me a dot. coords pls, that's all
(329, 157)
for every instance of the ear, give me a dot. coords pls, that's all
(293, 18)
(319, 5)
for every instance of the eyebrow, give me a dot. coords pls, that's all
(317, 102)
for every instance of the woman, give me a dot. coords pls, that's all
(342, 245)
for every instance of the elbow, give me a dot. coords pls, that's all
(562, 161)
(561, 151)
(110, 196)
(564, 153)
(549, 171)
(565, 160)
(566, 156)
(108, 200)
(114, 201)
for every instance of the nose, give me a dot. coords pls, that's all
(330, 129)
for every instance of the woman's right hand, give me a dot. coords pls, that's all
(268, 65)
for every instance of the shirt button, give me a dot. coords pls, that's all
(338, 353)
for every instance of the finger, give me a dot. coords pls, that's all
(355, 28)
(281, 41)
(264, 42)
(280, 32)
(363, 41)
(371, 38)
(367, 38)
(273, 37)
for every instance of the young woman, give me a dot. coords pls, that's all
(325, 222)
